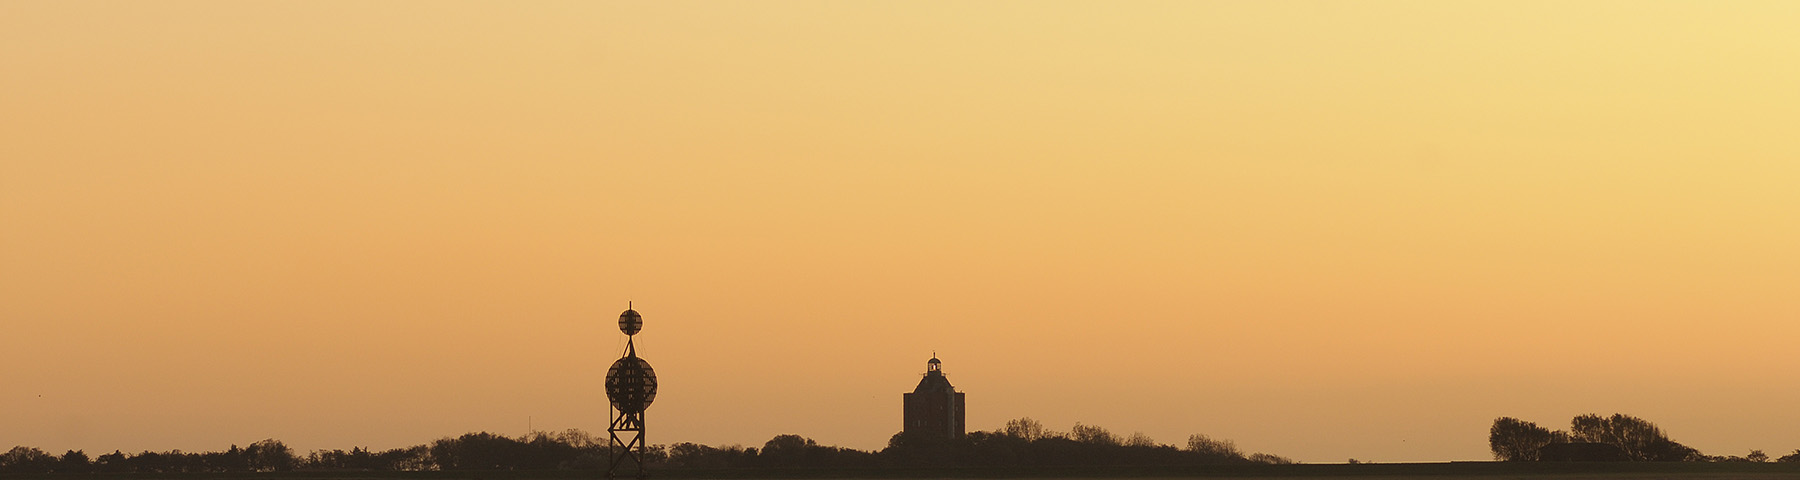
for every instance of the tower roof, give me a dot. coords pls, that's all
(934, 380)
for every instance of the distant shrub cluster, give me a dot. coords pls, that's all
(1021, 442)
(1593, 438)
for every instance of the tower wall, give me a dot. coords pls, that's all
(934, 414)
(956, 429)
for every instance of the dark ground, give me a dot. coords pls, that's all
(1408, 471)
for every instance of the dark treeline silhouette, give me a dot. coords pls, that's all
(1021, 442)
(1025, 442)
(475, 451)
(263, 456)
(1593, 438)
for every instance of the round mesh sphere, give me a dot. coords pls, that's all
(630, 322)
(631, 384)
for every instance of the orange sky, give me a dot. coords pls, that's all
(1324, 230)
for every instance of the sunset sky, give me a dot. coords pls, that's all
(1325, 230)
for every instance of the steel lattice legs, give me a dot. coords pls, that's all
(619, 449)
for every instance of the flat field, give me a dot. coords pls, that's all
(1393, 471)
(1410, 471)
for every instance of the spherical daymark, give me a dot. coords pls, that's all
(631, 384)
(630, 322)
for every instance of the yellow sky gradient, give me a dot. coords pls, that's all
(1326, 230)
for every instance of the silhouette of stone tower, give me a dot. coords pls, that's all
(934, 409)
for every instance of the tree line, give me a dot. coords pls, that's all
(1593, 438)
(474, 451)
(1021, 442)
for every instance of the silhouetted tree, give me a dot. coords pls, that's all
(27, 460)
(231, 460)
(1265, 458)
(693, 455)
(1204, 445)
(1790, 458)
(270, 455)
(357, 458)
(996, 448)
(478, 451)
(577, 438)
(409, 459)
(111, 463)
(1024, 428)
(1640, 439)
(1092, 434)
(795, 450)
(1757, 456)
(74, 461)
(1630, 437)
(1514, 440)
(786, 450)
(148, 462)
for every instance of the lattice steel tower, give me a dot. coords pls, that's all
(630, 387)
